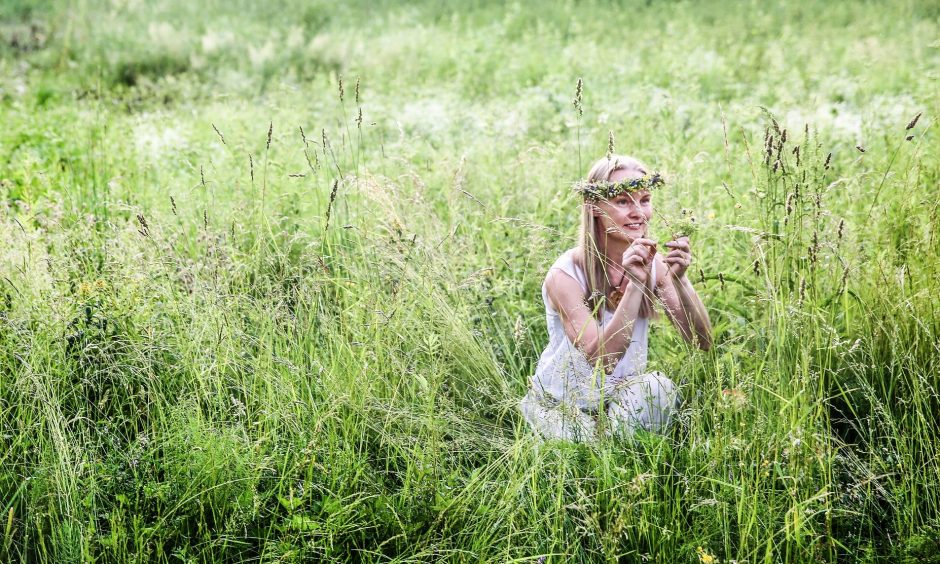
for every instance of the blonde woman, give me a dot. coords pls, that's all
(591, 380)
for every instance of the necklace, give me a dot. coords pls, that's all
(615, 295)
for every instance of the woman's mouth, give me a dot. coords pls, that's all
(633, 225)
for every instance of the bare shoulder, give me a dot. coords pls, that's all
(563, 290)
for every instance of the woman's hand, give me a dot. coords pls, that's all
(638, 260)
(679, 258)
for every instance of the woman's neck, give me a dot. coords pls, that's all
(613, 250)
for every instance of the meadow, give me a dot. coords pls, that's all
(270, 279)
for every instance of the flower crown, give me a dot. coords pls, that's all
(604, 190)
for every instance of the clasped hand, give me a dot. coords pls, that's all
(638, 259)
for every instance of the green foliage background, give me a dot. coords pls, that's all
(247, 313)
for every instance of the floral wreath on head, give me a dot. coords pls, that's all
(605, 190)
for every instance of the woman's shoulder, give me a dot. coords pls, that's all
(568, 257)
(568, 263)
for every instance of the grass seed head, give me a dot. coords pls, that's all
(144, 228)
(219, 133)
(578, 97)
(329, 206)
(913, 122)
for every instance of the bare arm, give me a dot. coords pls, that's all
(684, 307)
(608, 344)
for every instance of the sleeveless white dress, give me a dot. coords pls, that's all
(567, 393)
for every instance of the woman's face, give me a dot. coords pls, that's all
(627, 215)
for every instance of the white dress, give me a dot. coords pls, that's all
(567, 393)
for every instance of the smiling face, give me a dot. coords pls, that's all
(626, 216)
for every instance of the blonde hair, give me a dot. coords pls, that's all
(589, 255)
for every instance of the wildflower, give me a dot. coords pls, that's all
(704, 557)
(85, 289)
(733, 398)
(638, 483)
(683, 226)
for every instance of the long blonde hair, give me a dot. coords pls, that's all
(589, 255)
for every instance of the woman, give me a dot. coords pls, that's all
(591, 380)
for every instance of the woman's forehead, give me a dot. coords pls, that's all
(624, 173)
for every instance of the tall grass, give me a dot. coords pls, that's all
(241, 320)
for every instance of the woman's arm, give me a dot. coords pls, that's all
(684, 307)
(608, 344)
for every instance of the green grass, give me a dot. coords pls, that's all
(239, 323)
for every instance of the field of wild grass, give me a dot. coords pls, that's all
(270, 279)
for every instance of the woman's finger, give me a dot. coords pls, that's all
(680, 256)
(678, 260)
(681, 243)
